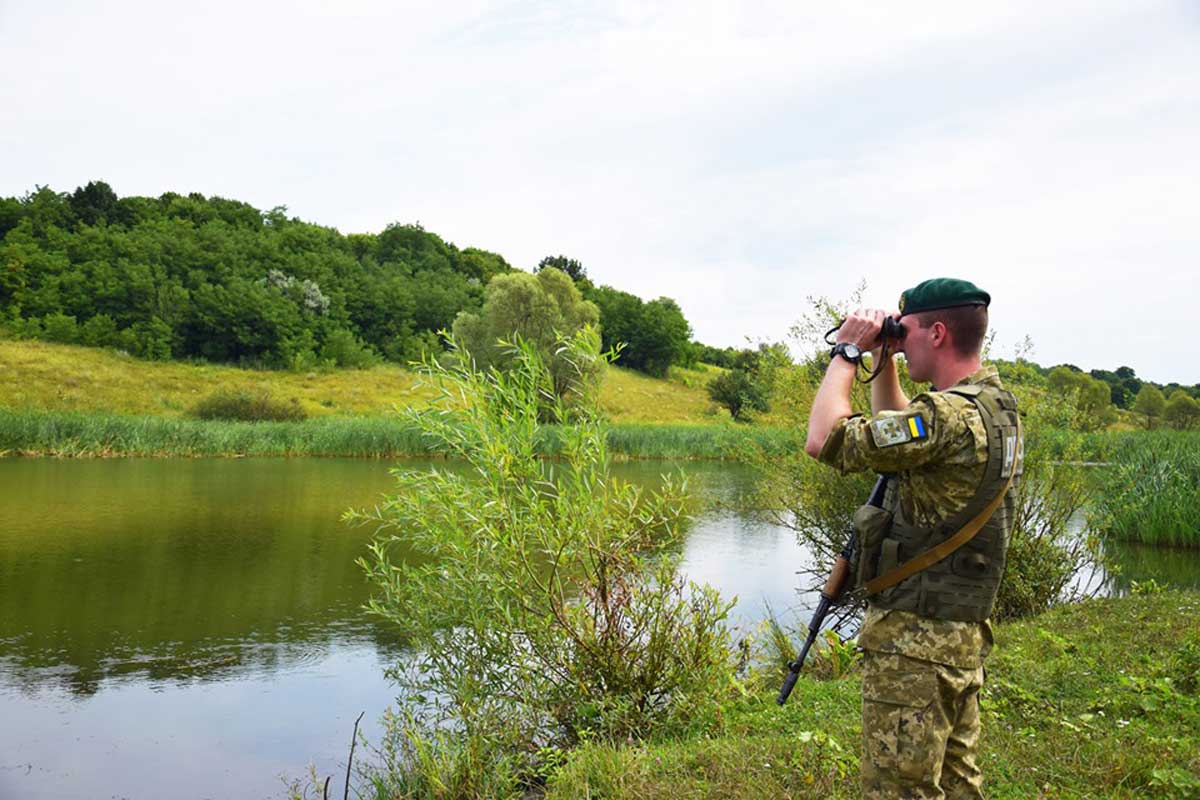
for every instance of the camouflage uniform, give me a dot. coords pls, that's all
(921, 676)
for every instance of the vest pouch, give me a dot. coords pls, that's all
(901, 543)
(972, 564)
(871, 524)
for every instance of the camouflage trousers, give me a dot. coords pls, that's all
(920, 729)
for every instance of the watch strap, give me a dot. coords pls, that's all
(839, 349)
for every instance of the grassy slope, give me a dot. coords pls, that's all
(1094, 700)
(52, 377)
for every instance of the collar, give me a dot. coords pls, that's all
(984, 375)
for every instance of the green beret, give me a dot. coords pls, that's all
(938, 293)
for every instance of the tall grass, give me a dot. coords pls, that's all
(98, 434)
(82, 434)
(1150, 491)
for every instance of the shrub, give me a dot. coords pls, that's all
(59, 327)
(540, 309)
(750, 381)
(345, 349)
(99, 331)
(542, 602)
(248, 406)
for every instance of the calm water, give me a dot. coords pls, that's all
(193, 628)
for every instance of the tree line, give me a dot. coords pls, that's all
(1100, 392)
(213, 279)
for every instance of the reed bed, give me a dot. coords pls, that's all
(1150, 491)
(82, 434)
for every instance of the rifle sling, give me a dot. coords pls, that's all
(943, 549)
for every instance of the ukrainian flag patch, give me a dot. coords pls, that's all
(891, 431)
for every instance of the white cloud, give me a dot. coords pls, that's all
(736, 156)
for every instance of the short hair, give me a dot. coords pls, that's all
(967, 326)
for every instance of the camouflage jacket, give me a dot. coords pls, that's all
(937, 474)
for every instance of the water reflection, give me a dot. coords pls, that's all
(198, 623)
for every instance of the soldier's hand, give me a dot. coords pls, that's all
(862, 328)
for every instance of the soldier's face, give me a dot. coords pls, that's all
(917, 350)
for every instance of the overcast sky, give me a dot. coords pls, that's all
(735, 156)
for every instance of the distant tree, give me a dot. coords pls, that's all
(482, 265)
(567, 265)
(1130, 386)
(95, 203)
(11, 213)
(655, 335)
(664, 336)
(717, 356)
(1093, 397)
(542, 309)
(1181, 411)
(748, 384)
(736, 391)
(1151, 403)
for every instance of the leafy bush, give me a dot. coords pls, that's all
(542, 601)
(99, 331)
(345, 349)
(748, 384)
(59, 327)
(540, 309)
(247, 406)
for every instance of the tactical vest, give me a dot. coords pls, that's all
(963, 585)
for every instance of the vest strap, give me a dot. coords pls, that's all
(936, 553)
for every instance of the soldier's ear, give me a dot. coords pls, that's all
(939, 335)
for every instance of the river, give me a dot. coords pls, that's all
(194, 628)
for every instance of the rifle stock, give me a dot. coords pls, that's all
(831, 592)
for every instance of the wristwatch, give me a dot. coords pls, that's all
(848, 351)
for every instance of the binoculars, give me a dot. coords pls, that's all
(892, 329)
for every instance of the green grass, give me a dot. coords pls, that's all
(1150, 492)
(1097, 700)
(66, 400)
(97, 434)
(56, 377)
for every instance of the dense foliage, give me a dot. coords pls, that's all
(544, 606)
(195, 277)
(539, 309)
(655, 335)
(748, 383)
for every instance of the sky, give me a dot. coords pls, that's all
(738, 157)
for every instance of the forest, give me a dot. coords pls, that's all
(190, 277)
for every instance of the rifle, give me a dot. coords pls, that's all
(831, 592)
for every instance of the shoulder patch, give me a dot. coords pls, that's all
(891, 431)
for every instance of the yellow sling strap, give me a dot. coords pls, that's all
(940, 551)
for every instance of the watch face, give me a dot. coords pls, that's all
(852, 351)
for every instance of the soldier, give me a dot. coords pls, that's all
(931, 560)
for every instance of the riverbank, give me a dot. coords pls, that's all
(1099, 699)
(66, 434)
